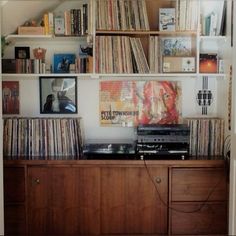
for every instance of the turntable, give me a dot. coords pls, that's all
(109, 149)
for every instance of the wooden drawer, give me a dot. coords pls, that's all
(198, 184)
(209, 218)
(14, 184)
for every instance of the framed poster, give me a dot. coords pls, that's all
(10, 97)
(58, 94)
(129, 103)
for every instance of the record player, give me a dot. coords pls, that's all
(109, 149)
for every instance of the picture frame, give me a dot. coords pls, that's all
(22, 52)
(10, 97)
(64, 63)
(58, 94)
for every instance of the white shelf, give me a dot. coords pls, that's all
(212, 75)
(213, 37)
(150, 75)
(46, 75)
(11, 37)
(115, 76)
(16, 37)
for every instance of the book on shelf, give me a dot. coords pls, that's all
(48, 20)
(8, 65)
(25, 66)
(210, 24)
(84, 64)
(186, 15)
(167, 19)
(59, 25)
(71, 22)
(222, 20)
(214, 23)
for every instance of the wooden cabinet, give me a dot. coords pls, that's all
(63, 200)
(15, 200)
(129, 200)
(198, 201)
(115, 198)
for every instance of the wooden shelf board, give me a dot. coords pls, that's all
(144, 32)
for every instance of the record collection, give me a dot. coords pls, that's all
(42, 138)
(206, 137)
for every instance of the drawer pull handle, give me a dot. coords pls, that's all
(36, 181)
(158, 180)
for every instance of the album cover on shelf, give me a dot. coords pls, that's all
(208, 63)
(63, 62)
(167, 19)
(177, 46)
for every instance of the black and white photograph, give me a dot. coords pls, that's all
(58, 95)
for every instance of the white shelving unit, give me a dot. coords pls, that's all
(88, 86)
(89, 83)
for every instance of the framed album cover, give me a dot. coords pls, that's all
(22, 52)
(63, 62)
(58, 94)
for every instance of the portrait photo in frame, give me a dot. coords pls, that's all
(22, 52)
(58, 94)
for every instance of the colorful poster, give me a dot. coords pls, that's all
(129, 103)
(10, 97)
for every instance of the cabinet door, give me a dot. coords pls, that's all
(38, 202)
(14, 199)
(130, 202)
(74, 201)
(87, 198)
(63, 201)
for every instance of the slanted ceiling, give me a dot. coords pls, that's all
(16, 13)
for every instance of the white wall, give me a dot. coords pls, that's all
(1, 156)
(232, 195)
(88, 104)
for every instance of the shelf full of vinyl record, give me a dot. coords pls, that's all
(42, 138)
(127, 41)
(127, 37)
(132, 37)
(206, 137)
